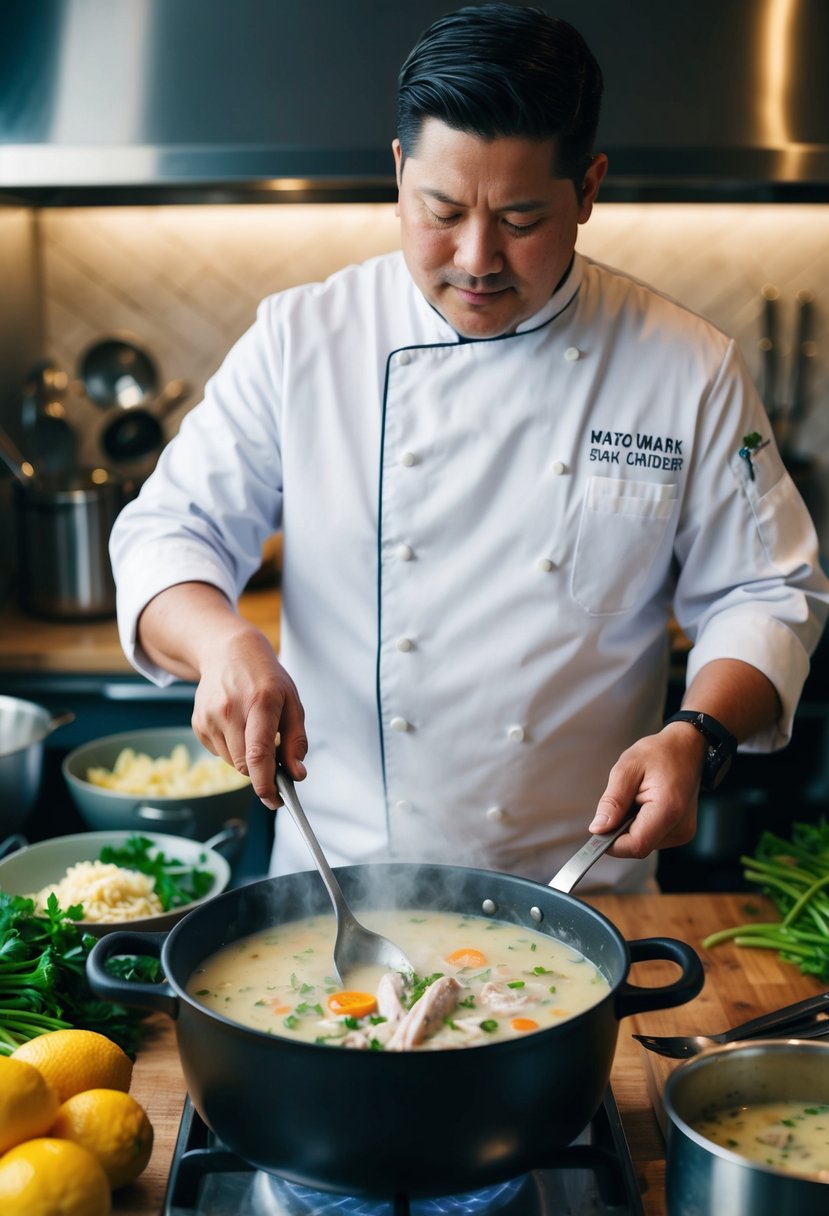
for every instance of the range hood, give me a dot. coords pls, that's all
(128, 101)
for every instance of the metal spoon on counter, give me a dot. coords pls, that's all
(808, 1019)
(355, 945)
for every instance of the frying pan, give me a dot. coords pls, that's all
(381, 1124)
(122, 378)
(117, 371)
(131, 434)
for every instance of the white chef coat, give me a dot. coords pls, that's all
(483, 542)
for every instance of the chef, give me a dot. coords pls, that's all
(499, 467)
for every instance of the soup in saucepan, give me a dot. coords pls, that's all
(791, 1136)
(477, 981)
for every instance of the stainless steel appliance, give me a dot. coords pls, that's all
(284, 101)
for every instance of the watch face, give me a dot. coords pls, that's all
(714, 769)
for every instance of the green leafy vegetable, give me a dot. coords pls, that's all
(794, 874)
(175, 882)
(419, 986)
(43, 977)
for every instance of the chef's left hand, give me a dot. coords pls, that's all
(658, 777)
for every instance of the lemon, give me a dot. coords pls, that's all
(74, 1060)
(47, 1177)
(28, 1103)
(113, 1126)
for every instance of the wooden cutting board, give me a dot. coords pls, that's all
(739, 984)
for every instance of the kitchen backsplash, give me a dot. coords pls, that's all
(185, 281)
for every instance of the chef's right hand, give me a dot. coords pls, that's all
(244, 698)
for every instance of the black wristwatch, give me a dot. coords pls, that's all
(721, 746)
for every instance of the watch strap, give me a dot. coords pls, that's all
(721, 745)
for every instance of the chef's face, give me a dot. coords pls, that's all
(487, 231)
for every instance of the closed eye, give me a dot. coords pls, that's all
(521, 228)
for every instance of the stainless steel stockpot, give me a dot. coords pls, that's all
(24, 728)
(63, 527)
(704, 1179)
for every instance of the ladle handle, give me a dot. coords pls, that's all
(574, 870)
(288, 795)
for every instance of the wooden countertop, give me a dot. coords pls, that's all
(34, 646)
(739, 984)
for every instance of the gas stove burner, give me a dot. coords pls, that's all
(594, 1176)
(290, 1199)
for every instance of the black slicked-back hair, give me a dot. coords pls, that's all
(495, 70)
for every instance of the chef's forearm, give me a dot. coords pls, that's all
(736, 694)
(178, 627)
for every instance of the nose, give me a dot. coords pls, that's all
(478, 249)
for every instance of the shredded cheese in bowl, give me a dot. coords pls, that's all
(109, 893)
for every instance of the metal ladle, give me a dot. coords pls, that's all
(355, 945)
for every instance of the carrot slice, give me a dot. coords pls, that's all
(277, 1008)
(523, 1024)
(466, 956)
(353, 1004)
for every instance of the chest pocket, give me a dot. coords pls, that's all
(622, 525)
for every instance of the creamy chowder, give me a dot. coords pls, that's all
(477, 981)
(791, 1136)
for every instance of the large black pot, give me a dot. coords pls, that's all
(387, 1123)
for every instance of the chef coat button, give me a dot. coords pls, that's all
(408, 459)
(405, 553)
(495, 814)
(572, 354)
(544, 564)
(403, 805)
(399, 724)
(404, 357)
(516, 734)
(405, 644)
(558, 467)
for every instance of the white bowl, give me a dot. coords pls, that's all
(35, 866)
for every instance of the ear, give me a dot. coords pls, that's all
(397, 152)
(590, 189)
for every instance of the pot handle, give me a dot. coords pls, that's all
(162, 816)
(62, 719)
(157, 997)
(632, 998)
(13, 842)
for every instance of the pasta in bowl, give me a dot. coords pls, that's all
(156, 779)
(98, 871)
